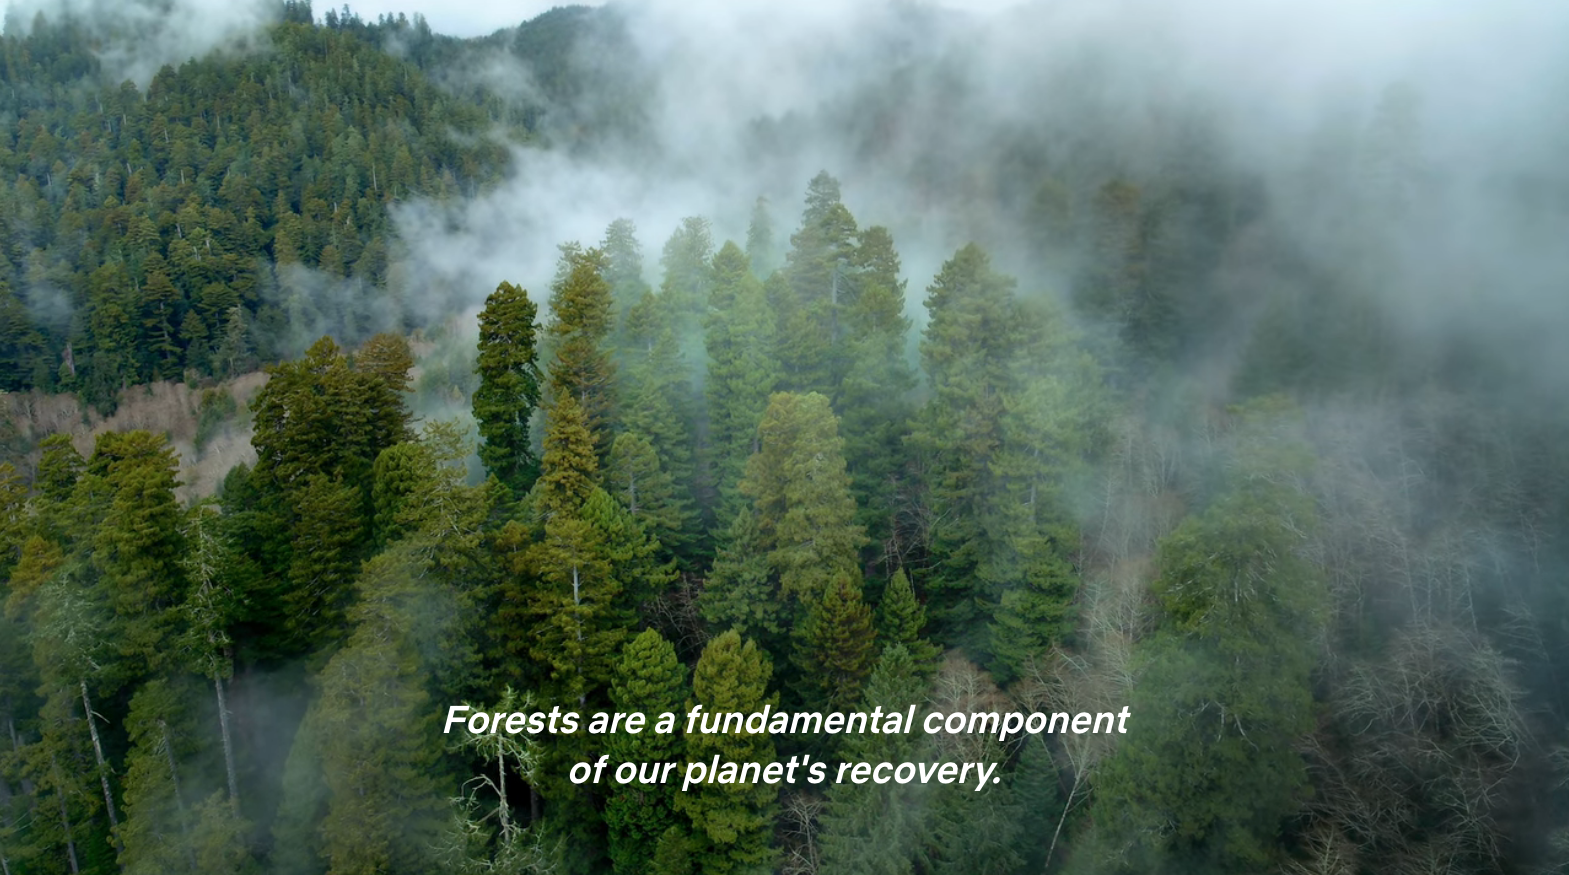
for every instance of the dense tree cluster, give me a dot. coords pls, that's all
(148, 233)
(751, 483)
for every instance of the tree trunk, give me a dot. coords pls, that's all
(65, 817)
(179, 800)
(228, 743)
(103, 768)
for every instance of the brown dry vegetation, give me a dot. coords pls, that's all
(163, 408)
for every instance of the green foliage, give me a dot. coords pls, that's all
(1011, 415)
(649, 679)
(740, 592)
(871, 828)
(320, 415)
(837, 645)
(634, 476)
(570, 466)
(580, 302)
(137, 549)
(375, 725)
(801, 495)
(731, 823)
(159, 210)
(741, 372)
(901, 619)
(1224, 692)
(509, 387)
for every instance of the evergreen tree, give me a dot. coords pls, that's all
(874, 399)
(660, 407)
(649, 679)
(580, 302)
(731, 823)
(376, 729)
(870, 828)
(810, 308)
(623, 270)
(509, 387)
(837, 645)
(687, 260)
(1224, 691)
(760, 238)
(389, 357)
(636, 479)
(741, 371)
(138, 547)
(1010, 414)
(740, 592)
(901, 619)
(801, 495)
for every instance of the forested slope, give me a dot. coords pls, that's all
(1166, 436)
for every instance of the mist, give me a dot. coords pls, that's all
(138, 37)
(908, 104)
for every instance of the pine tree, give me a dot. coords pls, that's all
(232, 356)
(389, 357)
(326, 539)
(649, 679)
(570, 466)
(320, 416)
(731, 823)
(837, 646)
(901, 620)
(375, 727)
(760, 238)
(660, 407)
(801, 495)
(509, 387)
(740, 592)
(623, 270)
(138, 547)
(688, 273)
(810, 310)
(581, 366)
(741, 371)
(875, 400)
(1010, 415)
(867, 828)
(636, 479)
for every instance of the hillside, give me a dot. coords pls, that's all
(1066, 358)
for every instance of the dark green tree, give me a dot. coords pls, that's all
(901, 620)
(837, 645)
(580, 304)
(741, 371)
(649, 679)
(509, 387)
(731, 823)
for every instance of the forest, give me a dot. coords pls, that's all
(936, 393)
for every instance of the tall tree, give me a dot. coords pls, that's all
(901, 619)
(741, 371)
(509, 387)
(801, 495)
(623, 270)
(810, 309)
(581, 366)
(1224, 688)
(651, 680)
(870, 828)
(1010, 415)
(138, 546)
(731, 823)
(688, 273)
(875, 391)
(837, 646)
